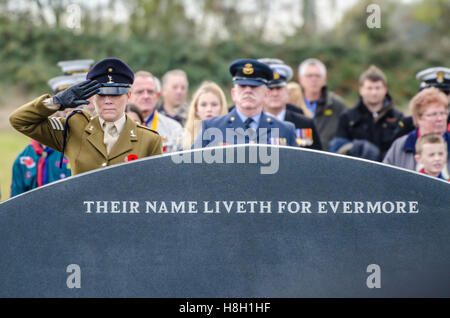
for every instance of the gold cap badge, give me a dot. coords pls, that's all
(440, 77)
(110, 69)
(276, 76)
(110, 80)
(248, 69)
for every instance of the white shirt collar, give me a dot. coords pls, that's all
(280, 116)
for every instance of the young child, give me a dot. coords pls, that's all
(431, 155)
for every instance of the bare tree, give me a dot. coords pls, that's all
(309, 17)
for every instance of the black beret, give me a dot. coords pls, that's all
(115, 76)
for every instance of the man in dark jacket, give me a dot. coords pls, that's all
(368, 129)
(324, 104)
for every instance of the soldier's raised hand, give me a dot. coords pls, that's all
(76, 95)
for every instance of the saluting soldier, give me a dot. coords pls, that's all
(90, 142)
(247, 121)
(37, 164)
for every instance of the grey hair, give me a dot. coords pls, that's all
(176, 72)
(153, 77)
(157, 84)
(312, 61)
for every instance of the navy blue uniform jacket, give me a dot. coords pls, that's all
(232, 123)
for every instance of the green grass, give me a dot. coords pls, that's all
(11, 143)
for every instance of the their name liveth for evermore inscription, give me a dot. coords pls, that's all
(250, 207)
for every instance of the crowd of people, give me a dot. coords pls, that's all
(107, 114)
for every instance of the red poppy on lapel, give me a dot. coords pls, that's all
(131, 158)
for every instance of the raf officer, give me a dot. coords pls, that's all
(277, 105)
(247, 123)
(90, 143)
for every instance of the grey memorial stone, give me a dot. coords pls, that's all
(303, 249)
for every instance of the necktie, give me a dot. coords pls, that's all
(110, 136)
(247, 123)
(251, 132)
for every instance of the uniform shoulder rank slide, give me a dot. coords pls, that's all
(56, 123)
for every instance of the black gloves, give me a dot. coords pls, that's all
(76, 95)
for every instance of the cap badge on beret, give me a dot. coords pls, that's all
(440, 77)
(110, 79)
(276, 76)
(248, 69)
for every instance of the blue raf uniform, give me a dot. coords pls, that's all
(235, 127)
(285, 137)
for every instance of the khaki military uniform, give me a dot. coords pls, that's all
(85, 147)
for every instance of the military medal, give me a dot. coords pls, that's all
(304, 137)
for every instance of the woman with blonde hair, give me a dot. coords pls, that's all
(208, 101)
(296, 98)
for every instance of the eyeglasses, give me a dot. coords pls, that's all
(313, 75)
(149, 92)
(435, 115)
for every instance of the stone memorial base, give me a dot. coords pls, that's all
(290, 223)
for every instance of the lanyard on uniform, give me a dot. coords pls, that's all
(66, 128)
(153, 116)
